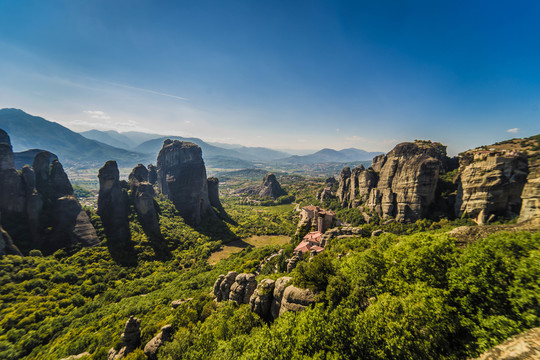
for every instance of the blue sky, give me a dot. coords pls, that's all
(281, 74)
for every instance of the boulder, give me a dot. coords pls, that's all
(279, 289)
(261, 300)
(113, 204)
(181, 176)
(139, 173)
(243, 287)
(152, 347)
(296, 299)
(131, 339)
(177, 303)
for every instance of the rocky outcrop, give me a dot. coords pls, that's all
(296, 299)
(490, 184)
(113, 204)
(270, 188)
(261, 300)
(142, 195)
(152, 347)
(279, 289)
(38, 205)
(530, 197)
(131, 339)
(222, 286)
(213, 195)
(152, 174)
(520, 347)
(269, 299)
(401, 184)
(243, 287)
(181, 176)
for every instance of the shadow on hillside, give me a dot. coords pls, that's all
(123, 253)
(216, 229)
(157, 242)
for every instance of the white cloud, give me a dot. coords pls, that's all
(513, 130)
(97, 114)
(188, 122)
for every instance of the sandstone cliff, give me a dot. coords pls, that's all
(400, 184)
(496, 181)
(500, 181)
(181, 176)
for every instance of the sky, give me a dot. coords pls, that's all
(282, 74)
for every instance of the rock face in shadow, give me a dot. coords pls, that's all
(269, 188)
(6, 244)
(490, 184)
(243, 287)
(113, 204)
(38, 205)
(181, 176)
(401, 184)
(131, 339)
(213, 194)
(142, 194)
(152, 174)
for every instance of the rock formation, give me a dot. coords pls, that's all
(269, 299)
(270, 188)
(279, 289)
(181, 176)
(296, 299)
(530, 197)
(152, 347)
(243, 287)
(38, 205)
(213, 195)
(113, 204)
(152, 174)
(490, 184)
(131, 339)
(222, 286)
(400, 184)
(142, 194)
(496, 181)
(261, 300)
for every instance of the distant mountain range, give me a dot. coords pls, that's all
(33, 132)
(92, 148)
(331, 156)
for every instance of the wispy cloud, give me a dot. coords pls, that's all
(97, 114)
(513, 130)
(146, 90)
